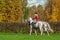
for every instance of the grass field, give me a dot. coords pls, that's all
(20, 36)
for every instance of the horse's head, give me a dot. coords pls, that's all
(29, 20)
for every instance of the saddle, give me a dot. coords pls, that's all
(34, 25)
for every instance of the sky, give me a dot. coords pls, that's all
(35, 2)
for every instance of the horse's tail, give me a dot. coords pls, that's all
(49, 27)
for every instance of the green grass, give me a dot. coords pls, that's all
(20, 36)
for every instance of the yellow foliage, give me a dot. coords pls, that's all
(12, 11)
(1, 17)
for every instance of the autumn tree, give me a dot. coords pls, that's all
(41, 13)
(48, 9)
(53, 14)
(11, 10)
(56, 9)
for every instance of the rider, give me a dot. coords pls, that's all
(36, 17)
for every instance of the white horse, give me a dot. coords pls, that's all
(43, 26)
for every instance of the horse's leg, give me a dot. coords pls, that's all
(46, 29)
(30, 29)
(47, 32)
(35, 31)
(41, 29)
(49, 28)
